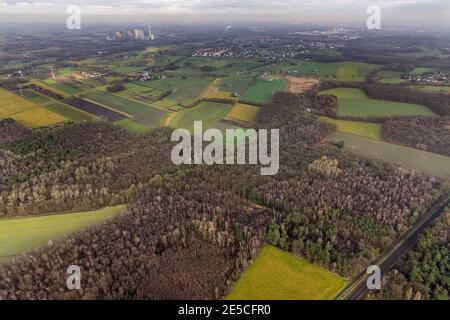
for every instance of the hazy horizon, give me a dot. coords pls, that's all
(413, 13)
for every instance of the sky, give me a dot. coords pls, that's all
(435, 13)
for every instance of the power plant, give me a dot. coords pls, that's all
(132, 35)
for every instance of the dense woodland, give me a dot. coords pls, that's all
(189, 231)
(422, 274)
(10, 131)
(424, 133)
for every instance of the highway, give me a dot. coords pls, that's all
(357, 289)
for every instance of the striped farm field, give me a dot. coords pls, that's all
(56, 106)
(26, 112)
(210, 113)
(343, 71)
(243, 113)
(11, 103)
(141, 113)
(278, 275)
(214, 92)
(262, 91)
(68, 112)
(355, 103)
(94, 109)
(61, 86)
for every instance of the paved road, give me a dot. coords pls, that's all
(357, 289)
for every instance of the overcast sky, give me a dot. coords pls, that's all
(394, 12)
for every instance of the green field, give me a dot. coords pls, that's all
(125, 69)
(343, 71)
(170, 84)
(243, 113)
(140, 93)
(278, 275)
(144, 114)
(390, 77)
(19, 235)
(26, 112)
(185, 92)
(235, 84)
(208, 112)
(355, 103)
(426, 162)
(262, 91)
(419, 71)
(363, 129)
(68, 112)
(132, 126)
(56, 106)
(62, 87)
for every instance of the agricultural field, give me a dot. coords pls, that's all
(170, 84)
(18, 235)
(426, 162)
(184, 92)
(235, 84)
(35, 97)
(355, 103)
(52, 88)
(38, 117)
(221, 63)
(94, 109)
(363, 129)
(262, 91)
(11, 104)
(419, 70)
(301, 84)
(140, 93)
(209, 112)
(26, 112)
(56, 106)
(214, 92)
(390, 77)
(125, 69)
(61, 86)
(68, 112)
(143, 114)
(132, 126)
(243, 113)
(342, 71)
(278, 275)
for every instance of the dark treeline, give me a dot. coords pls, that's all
(437, 102)
(424, 133)
(333, 208)
(11, 131)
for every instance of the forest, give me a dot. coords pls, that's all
(424, 133)
(333, 208)
(422, 274)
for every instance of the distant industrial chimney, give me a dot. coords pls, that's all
(151, 36)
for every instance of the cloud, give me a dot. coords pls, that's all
(211, 10)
